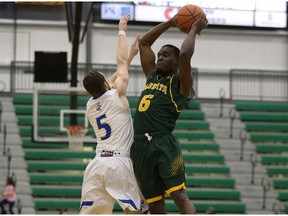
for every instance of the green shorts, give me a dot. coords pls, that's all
(158, 165)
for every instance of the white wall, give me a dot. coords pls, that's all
(217, 51)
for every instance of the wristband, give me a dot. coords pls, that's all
(122, 32)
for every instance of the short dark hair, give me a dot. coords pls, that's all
(94, 82)
(174, 48)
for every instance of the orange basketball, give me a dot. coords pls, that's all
(186, 16)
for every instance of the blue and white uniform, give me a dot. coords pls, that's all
(109, 177)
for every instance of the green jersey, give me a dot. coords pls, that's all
(159, 104)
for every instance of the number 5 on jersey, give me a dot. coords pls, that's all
(103, 126)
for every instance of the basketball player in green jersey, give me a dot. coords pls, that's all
(156, 153)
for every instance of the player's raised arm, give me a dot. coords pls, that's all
(186, 53)
(147, 55)
(122, 76)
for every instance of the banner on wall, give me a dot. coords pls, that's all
(244, 13)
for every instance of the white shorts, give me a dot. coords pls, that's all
(108, 180)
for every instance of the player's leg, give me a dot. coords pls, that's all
(121, 184)
(157, 207)
(182, 201)
(95, 199)
(146, 172)
(172, 171)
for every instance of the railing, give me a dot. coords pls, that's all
(22, 77)
(244, 84)
(259, 85)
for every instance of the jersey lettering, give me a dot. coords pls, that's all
(157, 86)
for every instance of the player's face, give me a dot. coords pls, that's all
(166, 60)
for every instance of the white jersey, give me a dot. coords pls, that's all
(111, 121)
(110, 178)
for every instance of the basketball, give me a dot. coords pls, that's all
(186, 16)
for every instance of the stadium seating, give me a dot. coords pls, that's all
(56, 172)
(267, 125)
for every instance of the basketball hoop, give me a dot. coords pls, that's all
(76, 135)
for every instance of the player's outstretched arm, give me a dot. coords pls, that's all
(122, 76)
(186, 53)
(147, 56)
(133, 50)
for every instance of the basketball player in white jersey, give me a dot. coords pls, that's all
(109, 177)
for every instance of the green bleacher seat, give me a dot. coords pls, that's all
(45, 120)
(49, 99)
(41, 165)
(194, 105)
(28, 143)
(261, 106)
(48, 131)
(274, 159)
(271, 126)
(186, 134)
(54, 178)
(56, 191)
(215, 194)
(277, 170)
(264, 116)
(219, 207)
(269, 137)
(46, 154)
(206, 169)
(203, 158)
(201, 146)
(286, 208)
(271, 148)
(133, 101)
(283, 195)
(57, 204)
(192, 124)
(211, 182)
(280, 183)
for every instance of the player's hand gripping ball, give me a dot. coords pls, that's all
(186, 16)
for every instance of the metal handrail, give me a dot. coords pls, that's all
(4, 139)
(243, 138)
(9, 157)
(265, 183)
(277, 208)
(1, 111)
(232, 114)
(222, 95)
(19, 206)
(254, 161)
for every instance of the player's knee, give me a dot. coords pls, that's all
(180, 195)
(157, 207)
(128, 211)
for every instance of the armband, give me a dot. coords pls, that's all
(121, 32)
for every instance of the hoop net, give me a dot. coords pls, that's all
(76, 134)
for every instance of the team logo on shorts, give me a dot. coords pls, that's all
(85, 205)
(131, 205)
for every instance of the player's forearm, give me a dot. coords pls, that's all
(122, 50)
(151, 36)
(188, 45)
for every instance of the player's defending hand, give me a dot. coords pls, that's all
(123, 22)
(134, 49)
